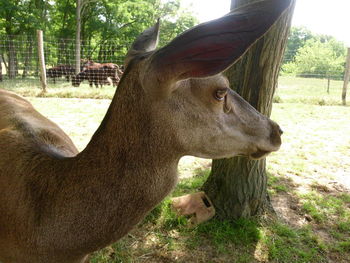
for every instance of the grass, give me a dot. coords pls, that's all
(291, 90)
(308, 91)
(62, 89)
(307, 183)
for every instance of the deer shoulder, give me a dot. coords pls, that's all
(22, 128)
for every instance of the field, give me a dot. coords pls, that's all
(309, 183)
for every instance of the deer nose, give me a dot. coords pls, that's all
(280, 131)
(275, 135)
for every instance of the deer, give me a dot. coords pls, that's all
(98, 74)
(61, 70)
(59, 205)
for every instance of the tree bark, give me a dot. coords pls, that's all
(4, 61)
(346, 78)
(77, 37)
(12, 63)
(28, 58)
(0, 67)
(238, 186)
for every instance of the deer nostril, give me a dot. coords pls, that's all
(280, 130)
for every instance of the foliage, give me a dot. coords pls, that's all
(108, 28)
(121, 20)
(297, 39)
(22, 17)
(318, 57)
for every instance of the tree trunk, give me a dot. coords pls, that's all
(346, 78)
(5, 64)
(0, 67)
(28, 58)
(77, 37)
(62, 49)
(238, 186)
(12, 63)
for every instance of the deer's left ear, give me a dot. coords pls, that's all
(145, 42)
(211, 47)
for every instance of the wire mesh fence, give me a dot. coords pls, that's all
(101, 63)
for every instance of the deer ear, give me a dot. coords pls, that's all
(145, 42)
(211, 47)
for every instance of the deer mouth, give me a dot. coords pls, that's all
(259, 154)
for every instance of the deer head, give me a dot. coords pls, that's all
(77, 79)
(184, 87)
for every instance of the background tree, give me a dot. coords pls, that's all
(319, 59)
(108, 27)
(19, 18)
(238, 186)
(11, 21)
(313, 55)
(0, 68)
(296, 39)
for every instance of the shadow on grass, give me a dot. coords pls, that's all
(164, 237)
(317, 218)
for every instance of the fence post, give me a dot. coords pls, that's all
(346, 77)
(42, 59)
(328, 83)
(0, 68)
(77, 37)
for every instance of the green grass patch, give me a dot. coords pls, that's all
(239, 232)
(192, 184)
(326, 208)
(286, 244)
(308, 91)
(164, 217)
(276, 184)
(343, 246)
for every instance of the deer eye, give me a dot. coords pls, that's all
(220, 94)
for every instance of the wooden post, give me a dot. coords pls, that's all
(346, 77)
(42, 59)
(77, 37)
(0, 67)
(328, 83)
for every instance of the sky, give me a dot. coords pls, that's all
(319, 16)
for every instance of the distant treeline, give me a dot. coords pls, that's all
(313, 55)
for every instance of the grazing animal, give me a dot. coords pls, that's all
(58, 205)
(97, 74)
(59, 71)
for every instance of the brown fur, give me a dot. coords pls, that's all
(58, 205)
(98, 74)
(59, 71)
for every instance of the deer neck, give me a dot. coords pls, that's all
(129, 134)
(125, 170)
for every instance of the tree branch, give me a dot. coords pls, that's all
(127, 24)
